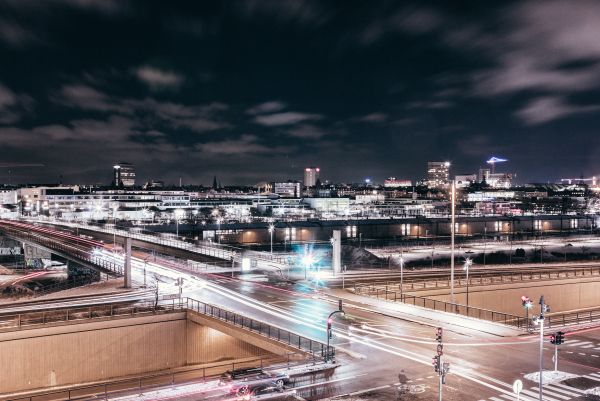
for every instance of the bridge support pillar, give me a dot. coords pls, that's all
(336, 259)
(127, 265)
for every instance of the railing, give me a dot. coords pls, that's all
(25, 320)
(73, 251)
(551, 320)
(212, 249)
(144, 382)
(302, 343)
(571, 318)
(434, 304)
(482, 279)
(114, 310)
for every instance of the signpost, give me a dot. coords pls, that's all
(517, 388)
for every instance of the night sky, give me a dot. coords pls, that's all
(256, 90)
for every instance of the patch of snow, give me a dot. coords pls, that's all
(550, 376)
(593, 391)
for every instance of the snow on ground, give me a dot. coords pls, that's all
(593, 391)
(550, 376)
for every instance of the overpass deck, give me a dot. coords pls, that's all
(212, 315)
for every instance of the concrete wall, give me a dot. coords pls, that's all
(562, 295)
(102, 350)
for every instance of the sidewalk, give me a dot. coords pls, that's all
(421, 315)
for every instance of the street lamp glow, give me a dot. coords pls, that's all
(271, 231)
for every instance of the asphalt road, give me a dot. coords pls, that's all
(379, 353)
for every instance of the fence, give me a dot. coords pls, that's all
(144, 382)
(206, 248)
(302, 343)
(482, 278)
(114, 310)
(558, 319)
(73, 251)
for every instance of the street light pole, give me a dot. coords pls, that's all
(484, 243)
(540, 320)
(271, 230)
(452, 233)
(468, 263)
(401, 274)
(329, 329)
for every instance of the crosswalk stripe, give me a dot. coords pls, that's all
(578, 343)
(554, 387)
(514, 397)
(595, 374)
(537, 394)
(592, 377)
(589, 346)
(495, 399)
(550, 390)
(597, 349)
(569, 388)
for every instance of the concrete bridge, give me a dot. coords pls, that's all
(71, 347)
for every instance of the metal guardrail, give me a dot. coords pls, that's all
(145, 382)
(558, 319)
(302, 343)
(434, 304)
(219, 251)
(19, 321)
(481, 279)
(70, 250)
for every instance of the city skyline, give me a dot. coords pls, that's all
(256, 91)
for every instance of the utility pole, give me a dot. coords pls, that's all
(440, 367)
(557, 339)
(328, 355)
(540, 320)
(452, 233)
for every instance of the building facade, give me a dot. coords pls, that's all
(438, 174)
(311, 175)
(124, 175)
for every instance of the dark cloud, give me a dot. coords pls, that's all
(359, 88)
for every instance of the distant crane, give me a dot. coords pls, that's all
(492, 162)
(9, 166)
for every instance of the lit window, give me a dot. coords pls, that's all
(574, 223)
(497, 226)
(537, 225)
(405, 229)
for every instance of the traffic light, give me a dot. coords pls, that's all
(438, 334)
(560, 338)
(329, 331)
(526, 302)
(553, 339)
(436, 363)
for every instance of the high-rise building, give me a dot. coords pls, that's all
(124, 175)
(311, 175)
(438, 174)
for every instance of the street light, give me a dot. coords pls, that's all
(178, 214)
(219, 230)
(466, 266)
(271, 231)
(307, 261)
(540, 320)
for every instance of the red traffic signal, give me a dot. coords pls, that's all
(553, 339)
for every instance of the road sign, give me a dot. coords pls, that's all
(170, 296)
(517, 387)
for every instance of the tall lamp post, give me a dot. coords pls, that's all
(539, 319)
(329, 329)
(466, 267)
(452, 234)
(271, 230)
(219, 230)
